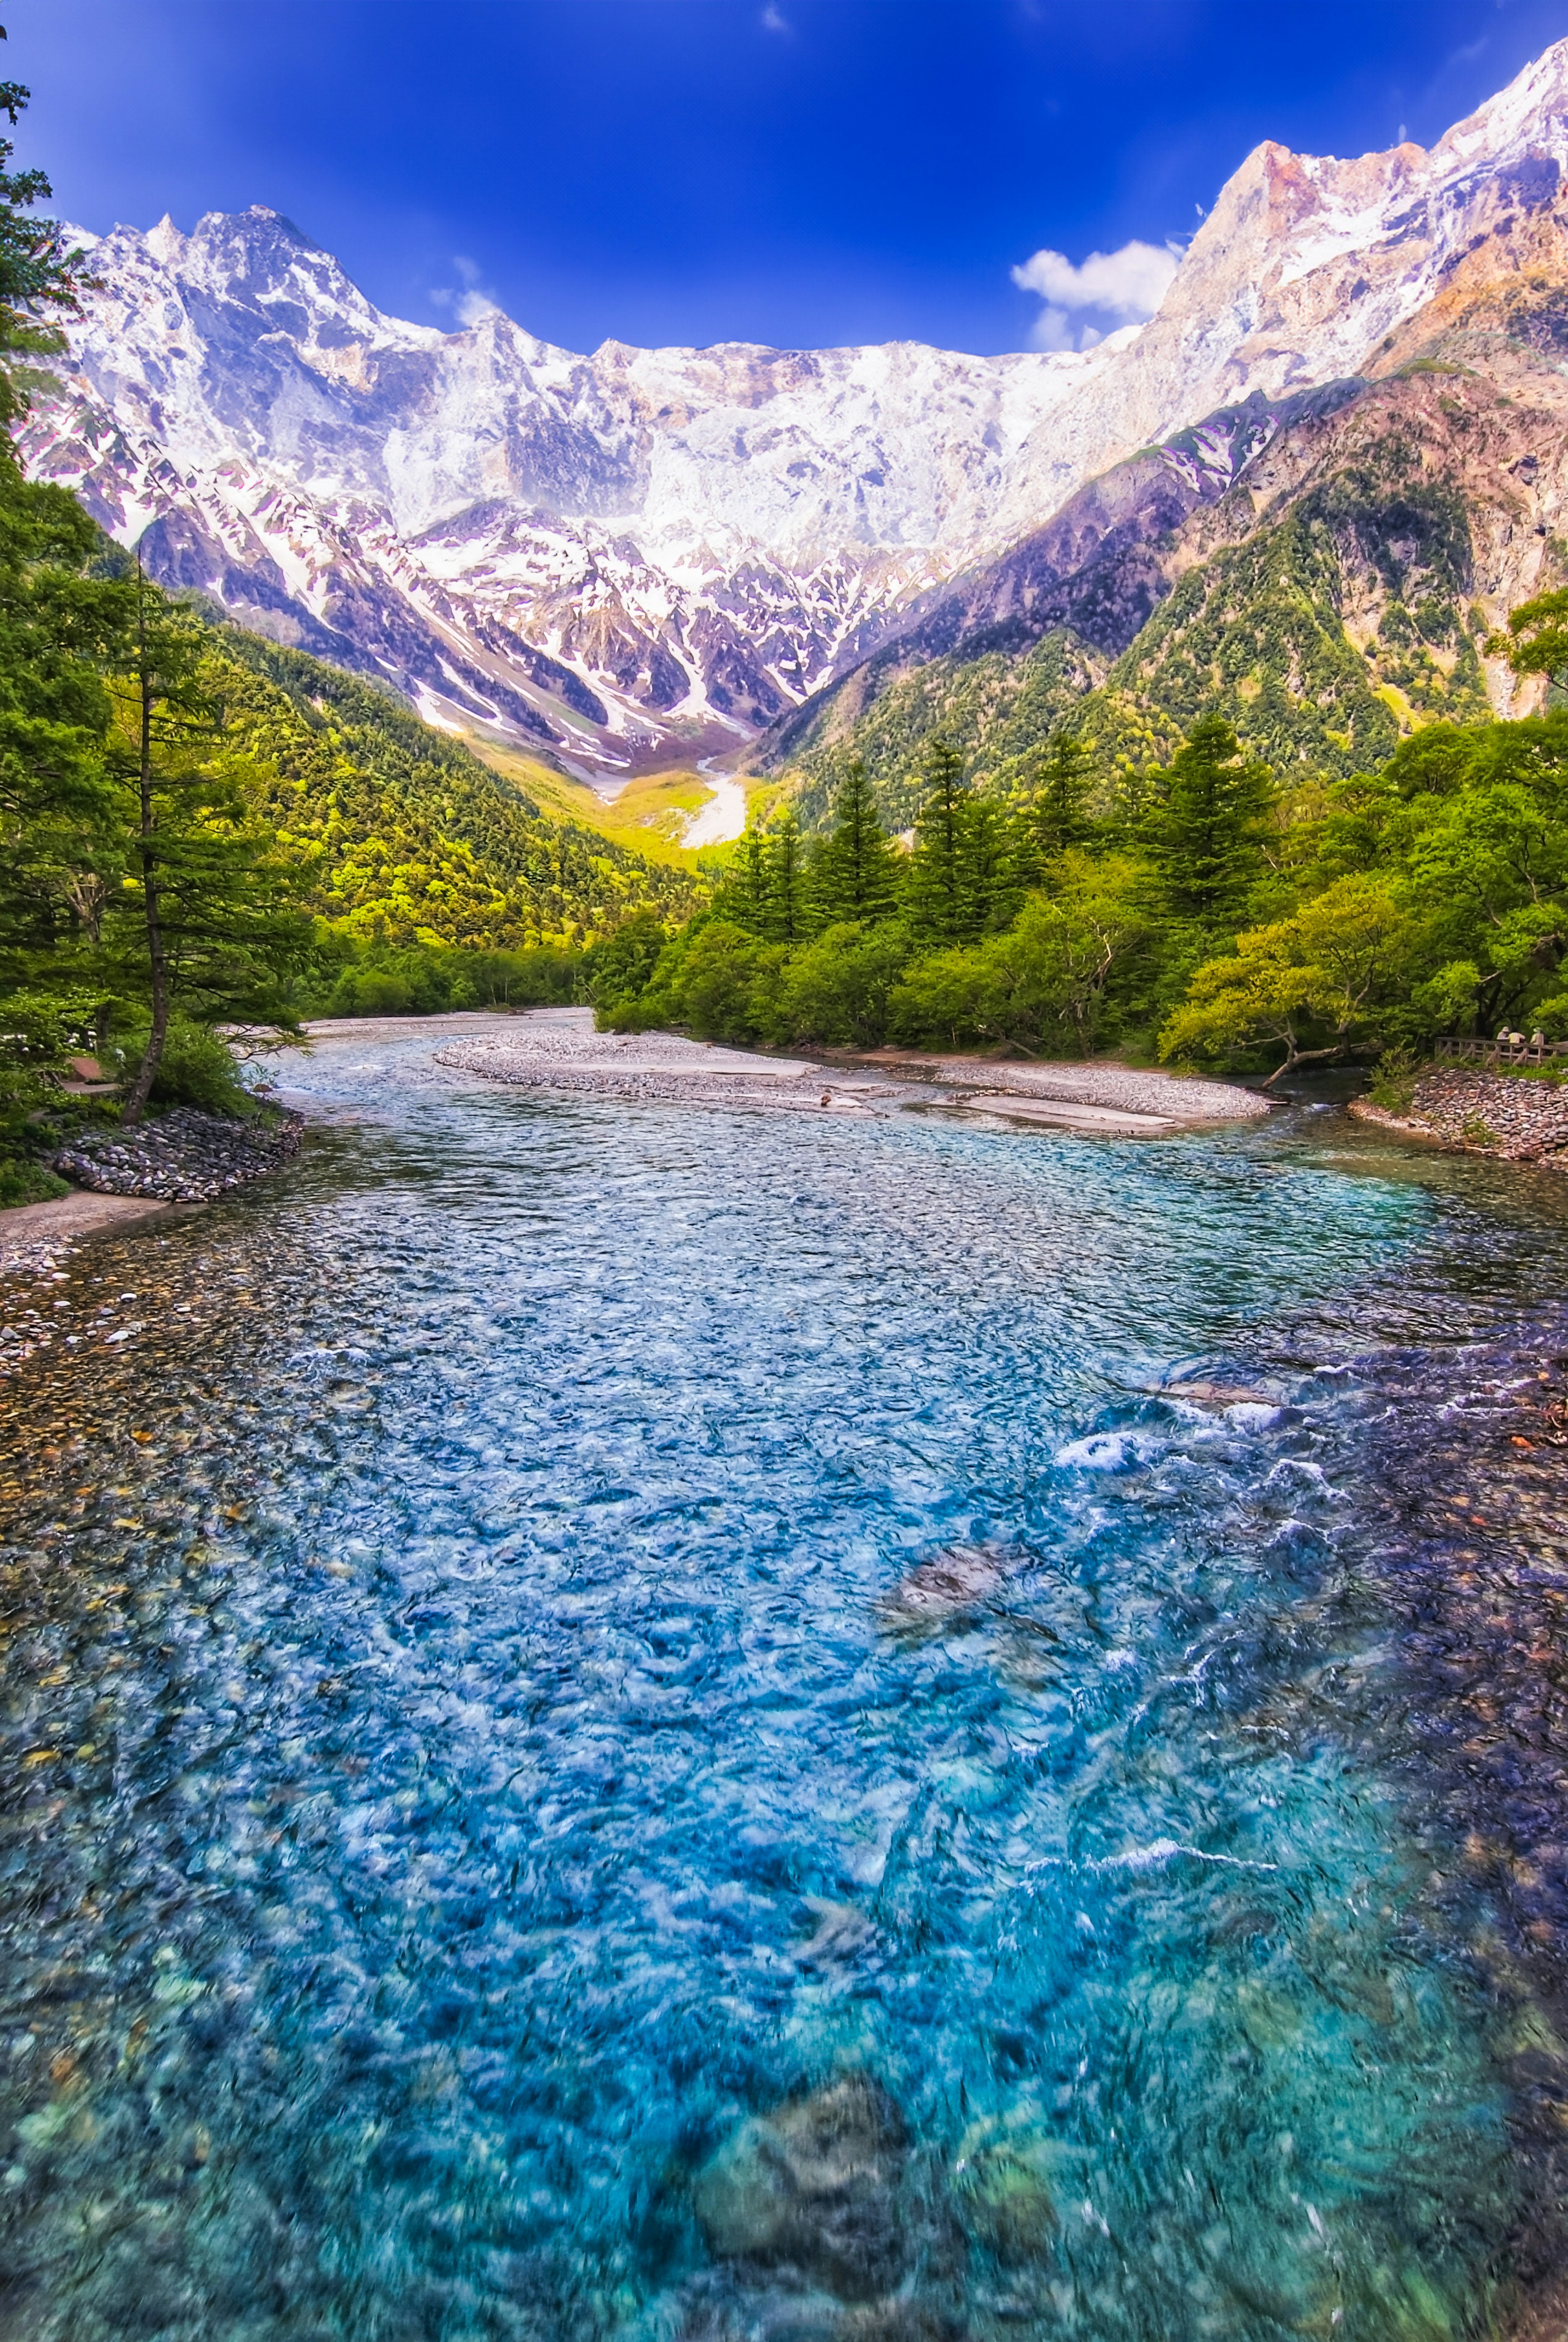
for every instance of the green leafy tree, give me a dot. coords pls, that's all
(1044, 983)
(854, 869)
(1539, 629)
(836, 990)
(1334, 964)
(1206, 825)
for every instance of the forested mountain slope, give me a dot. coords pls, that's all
(1337, 587)
(404, 832)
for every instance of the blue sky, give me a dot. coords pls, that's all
(797, 172)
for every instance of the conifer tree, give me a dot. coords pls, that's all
(1206, 827)
(745, 898)
(1057, 817)
(201, 915)
(993, 861)
(40, 280)
(855, 870)
(788, 913)
(937, 888)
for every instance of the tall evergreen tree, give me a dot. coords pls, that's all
(1057, 815)
(789, 919)
(1206, 827)
(994, 865)
(201, 915)
(744, 896)
(937, 895)
(855, 870)
(40, 279)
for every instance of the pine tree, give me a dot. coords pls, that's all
(201, 918)
(937, 894)
(993, 863)
(745, 897)
(1206, 827)
(854, 871)
(1057, 817)
(788, 911)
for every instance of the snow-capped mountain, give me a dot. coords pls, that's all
(646, 553)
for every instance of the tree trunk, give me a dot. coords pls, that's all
(1303, 1058)
(157, 961)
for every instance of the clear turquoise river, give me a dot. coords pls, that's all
(475, 1796)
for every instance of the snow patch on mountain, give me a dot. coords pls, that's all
(642, 555)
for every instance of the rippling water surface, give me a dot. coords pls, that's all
(468, 1768)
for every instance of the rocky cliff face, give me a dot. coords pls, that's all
(1334, 575)
(641, 554)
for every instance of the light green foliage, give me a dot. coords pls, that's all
(195, 1067)
(403, 834)
(1539, 629)
(1334, 963)
(1043, 983)
(837, 989)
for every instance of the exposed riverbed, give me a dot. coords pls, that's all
(621, 1721)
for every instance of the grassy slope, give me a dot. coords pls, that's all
(407, 833)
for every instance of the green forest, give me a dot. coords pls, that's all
(1196, 910)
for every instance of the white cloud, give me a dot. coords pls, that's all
(774, 20)
(1109, 288)
(470, 301)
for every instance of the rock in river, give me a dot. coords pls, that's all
(813, 2186)
(958, 1583)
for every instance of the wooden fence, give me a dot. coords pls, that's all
(1508, 1049)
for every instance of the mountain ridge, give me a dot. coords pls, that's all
(645, 556)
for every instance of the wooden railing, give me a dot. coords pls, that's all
(1504, 1051)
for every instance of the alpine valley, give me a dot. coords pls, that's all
(1305, 492)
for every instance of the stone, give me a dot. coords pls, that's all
(1004, 2201)
(813, 2186)
(958, 1583)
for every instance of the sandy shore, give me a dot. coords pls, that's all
(558, 1049)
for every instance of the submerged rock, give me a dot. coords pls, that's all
(815, 2186)
(1004, 2202)
(958, 1583)
(1220, 1395)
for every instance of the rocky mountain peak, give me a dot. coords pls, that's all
(641, 553)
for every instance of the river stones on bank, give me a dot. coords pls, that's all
(953, 1587)
(813, 2186)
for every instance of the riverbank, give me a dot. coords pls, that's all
(35, 1237)
(1511, 1118)
(558, 1049)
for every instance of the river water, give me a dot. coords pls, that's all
(469, 1767)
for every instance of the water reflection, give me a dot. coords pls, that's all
(623, 1720)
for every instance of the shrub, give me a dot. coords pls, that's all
(198, 1069)
(22, 1182)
